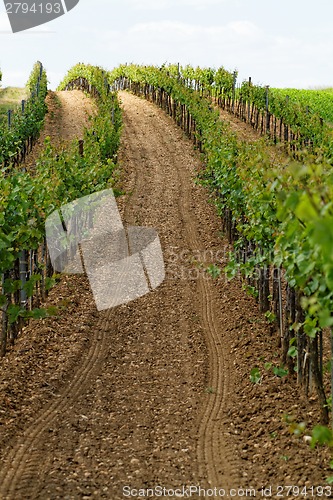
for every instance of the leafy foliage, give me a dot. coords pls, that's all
(284, 210)
(25, 125)
(60, 176)
(94, 75)
(255, 376)
(321, 435)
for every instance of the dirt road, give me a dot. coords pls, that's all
(155, 392)
(142, 407)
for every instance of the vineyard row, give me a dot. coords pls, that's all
(275, 215)
(28, 198)
(279, 217)
(19, 133)
(297, 118)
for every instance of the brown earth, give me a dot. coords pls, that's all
(245, 132)
(68, 113)
(156, 392)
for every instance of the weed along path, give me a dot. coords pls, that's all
(155, 393)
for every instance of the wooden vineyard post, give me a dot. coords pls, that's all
(320, 352)
(233, 92)
(331, 376)
(262, 124)
(250, 249)
(280, 129)
(4, 325)
(302, 372)
(4, 331)
(14, 298)
(252, 114)
(277, 299)
(174, 110)
(318, 379)
(249, 101)
(290, 320)
(280, 306)
(9, 118)
(43, 273)
(286, 129)
(286, 136)
(228, 219)
(264, 289)
(275, 129)
(257, 120)
(268, 116)
(49, 267)
(31, 264)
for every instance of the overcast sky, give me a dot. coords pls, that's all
(288, 43)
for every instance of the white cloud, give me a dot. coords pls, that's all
(275, 60)
(245, 28)
(148, 4)
(14, 78)
(231, 33)
(4, 23)
(172, 33)
(187, 43)
(168, 4)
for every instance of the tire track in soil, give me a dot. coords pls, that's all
(220, 456)
(214, 458)
(216, 464)
(25, 457)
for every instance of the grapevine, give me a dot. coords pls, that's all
(26, 200)
(17, 137)
(279, 217)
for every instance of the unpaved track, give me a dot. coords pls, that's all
(68, 113)
(145, 404)
(27, 457)
(180, 212)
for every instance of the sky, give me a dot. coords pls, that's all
(288, 43)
